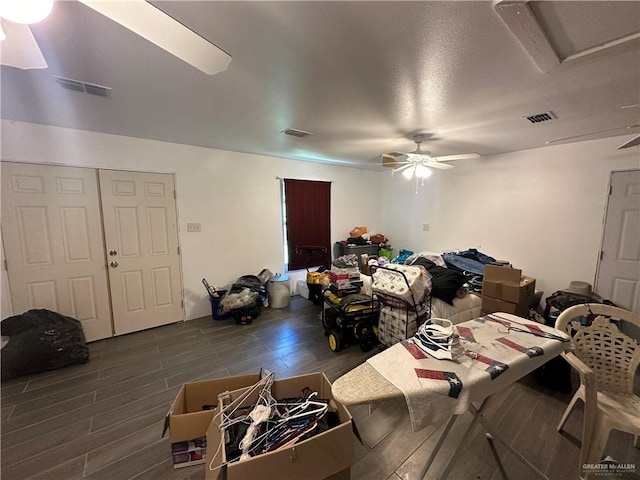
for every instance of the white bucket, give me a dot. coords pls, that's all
(279, 290)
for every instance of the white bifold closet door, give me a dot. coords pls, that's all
(52, 233)
(141, 237)
(100, 246)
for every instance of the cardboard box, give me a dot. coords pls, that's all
(343, 274)
(322, 456)
(193, 408)
(492, 305)
(507, 284)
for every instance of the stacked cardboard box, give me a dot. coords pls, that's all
(344, 281)
(506, 290)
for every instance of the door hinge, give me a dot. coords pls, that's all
(5, 265)
(174, 194)
(181, 303)
(610, 189)
(178, 250)
(601, 254)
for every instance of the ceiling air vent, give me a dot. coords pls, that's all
(84, 87)
(294, 132)
(540, 117)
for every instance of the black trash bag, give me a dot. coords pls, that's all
(41, 340)
(253, 283)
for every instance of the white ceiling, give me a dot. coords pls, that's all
(363, 77)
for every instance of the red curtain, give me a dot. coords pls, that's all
(308, 210)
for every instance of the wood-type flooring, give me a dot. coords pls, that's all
(104, 419)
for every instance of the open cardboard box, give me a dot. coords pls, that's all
(194, 407)
(325, 455)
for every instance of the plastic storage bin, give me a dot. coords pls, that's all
(279, 290)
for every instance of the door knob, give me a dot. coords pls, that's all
(113, 264)
(112, 252)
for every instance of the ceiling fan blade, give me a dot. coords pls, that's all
(393, 161)
(462, 156)
(631, 143)
(404, 167)
(159, 28)
(628, 127)
(20, 48)
(438, 165)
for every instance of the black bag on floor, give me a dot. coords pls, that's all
(41, 340)
(556, 373)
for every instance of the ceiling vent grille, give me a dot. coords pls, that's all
(294, 132)
(540, 117)
(84, 87)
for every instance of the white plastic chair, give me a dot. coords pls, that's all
(606, 360)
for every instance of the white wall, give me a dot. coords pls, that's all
(541, 209)
(235, 197)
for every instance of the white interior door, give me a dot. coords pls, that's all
(141, 237)
(54, 248)
(618, 276)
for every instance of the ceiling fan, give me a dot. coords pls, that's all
(419, 163)
(19, 48)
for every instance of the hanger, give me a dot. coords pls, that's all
(227, 417)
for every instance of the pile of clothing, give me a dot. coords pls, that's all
(454, 273)
(361, 236)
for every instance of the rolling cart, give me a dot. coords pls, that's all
(350, 319)
(400, 315)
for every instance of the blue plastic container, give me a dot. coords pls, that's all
(216, 309)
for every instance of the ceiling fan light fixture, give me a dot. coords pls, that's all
(25, 12)
(408, 172)
(422, 171)
(419, 157)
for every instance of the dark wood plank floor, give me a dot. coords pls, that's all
(103, 420)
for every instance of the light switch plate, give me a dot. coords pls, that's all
(194, 227)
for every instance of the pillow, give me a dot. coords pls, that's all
(445, 282)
